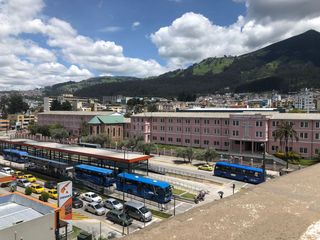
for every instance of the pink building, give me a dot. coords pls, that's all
(236, 132)
(70, 120)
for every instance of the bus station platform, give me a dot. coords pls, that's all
(73, 154)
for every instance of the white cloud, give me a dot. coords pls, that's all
(193, 37)
(135, 25)
(111, 29)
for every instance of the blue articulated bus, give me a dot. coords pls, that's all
(154, 190)
(15, 155)
(239, 172)
(96, 175)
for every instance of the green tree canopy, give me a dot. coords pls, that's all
(16, 104)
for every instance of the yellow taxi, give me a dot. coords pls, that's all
(205, 167)
(53, 193)
(18, 174)
(30, 178)
(37, 188)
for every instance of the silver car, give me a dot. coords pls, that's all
(112, 203)
(95, 208)
(23, 183)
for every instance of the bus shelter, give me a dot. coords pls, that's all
(117, 160)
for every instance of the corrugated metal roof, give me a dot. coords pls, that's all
(12, 213)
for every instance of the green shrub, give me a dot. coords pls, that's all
(291, 155)
(28, 191)
(44, 197)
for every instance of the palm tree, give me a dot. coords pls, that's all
(284, 133)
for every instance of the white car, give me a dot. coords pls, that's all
(91, 197)
(23, 183)
(7, 170)
(112, 203)
(95, 208)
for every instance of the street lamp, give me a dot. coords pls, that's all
(263, 146)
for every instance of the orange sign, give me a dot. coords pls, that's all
(65, 199)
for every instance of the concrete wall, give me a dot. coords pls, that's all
(37, 229)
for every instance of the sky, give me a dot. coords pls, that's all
(44, 42)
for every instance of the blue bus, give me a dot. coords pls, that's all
(96, 175)
(15, 155)
(154, 190)
(239, 172)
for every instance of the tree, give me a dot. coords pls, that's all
(55, 105)
(189, 154)
(284, 133)
(145, 148)
(66, 106)
(59, 133)
(181, 153)
(208, 155)
(152, 108)
(44, 197)
(84, 129)
(16, 104)
(4, 106)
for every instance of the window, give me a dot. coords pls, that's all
(197, 121)
(303, 150)
(235, 123)
(170, 139)
(179, 120)
(216, 131)
(154, 127)
(161, 138)
(216, 122)
(226, 122)
(304, 124)
(226, 132)
(170, 129)
(258, 123)
(187, 140)
(162, 128)
(162, 120)
(274, 148)
(216, 143)
(317, 136)
(206, 121)
(154, 138)
(206, 142)
(179, 129)
(317, 124)
(196, 141)
(187, 121)
(154, 120)
(170, 120)
(259, 134)
(303, 135)
(206, 131)
(226, 144)
(178, 140)
(275, 123)
(197, 130)
(188, 129)
(235, 133)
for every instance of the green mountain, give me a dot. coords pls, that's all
(287, 65)
(72, 87)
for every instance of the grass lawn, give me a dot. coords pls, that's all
(188, 195)
(304, 162)
(177, 191)
(160, 214)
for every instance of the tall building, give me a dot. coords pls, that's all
(304, 100)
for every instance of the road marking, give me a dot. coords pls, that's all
(178, 205)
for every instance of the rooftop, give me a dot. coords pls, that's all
(271, 115)
(284, 208)
(80, 113)
(100, 153)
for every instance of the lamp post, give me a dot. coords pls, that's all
(263, 146)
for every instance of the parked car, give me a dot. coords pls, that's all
(119, 217)
(138, 211)
(30, 178)
(91, 197)
(112, 203)
(205, 167)
(7, 170)
(37, 188)
(50, 184)
(95, 208)
(53, 193)
(18, 174)
(75, 192)
(23, 183)
(76, 202)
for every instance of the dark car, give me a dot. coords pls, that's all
(75, 192)
(119, 217)
(50, 184)
(76, 202)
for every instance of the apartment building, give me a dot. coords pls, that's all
(4, 124)
(227, 131)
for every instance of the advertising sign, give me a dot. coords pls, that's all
(65, 199)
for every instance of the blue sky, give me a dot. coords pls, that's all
(43, 42)
(92, 17)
